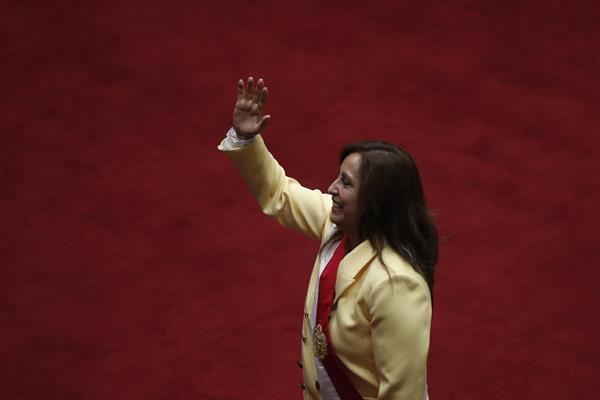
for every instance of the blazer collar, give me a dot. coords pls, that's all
(351, 265)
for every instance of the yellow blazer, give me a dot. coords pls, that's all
(381, 319)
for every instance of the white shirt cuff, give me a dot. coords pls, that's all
(233, 141)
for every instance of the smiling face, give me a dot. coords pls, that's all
(345, 212)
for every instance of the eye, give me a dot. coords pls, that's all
(345, 181)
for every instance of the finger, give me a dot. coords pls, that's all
(259, 87)
(250, 88)
(262, 101)
(263, 122)
(240, 89)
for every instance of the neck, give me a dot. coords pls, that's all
(353, 241)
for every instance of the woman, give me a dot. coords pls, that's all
(367, 313)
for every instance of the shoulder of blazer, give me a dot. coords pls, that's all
(395, 266)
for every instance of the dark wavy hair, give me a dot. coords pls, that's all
(393, 206)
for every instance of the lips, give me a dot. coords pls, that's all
(337, 207)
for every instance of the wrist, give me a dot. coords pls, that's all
(236, 138)
(242, 135)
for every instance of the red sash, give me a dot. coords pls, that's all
(334, 367)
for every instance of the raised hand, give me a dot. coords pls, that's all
(249, 117)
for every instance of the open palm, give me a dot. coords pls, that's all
(249, 117)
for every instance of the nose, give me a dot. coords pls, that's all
(332, 190)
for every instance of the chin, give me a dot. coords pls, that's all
(336, 220)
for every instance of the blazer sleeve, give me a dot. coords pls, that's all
(279, 196)
(400, 310)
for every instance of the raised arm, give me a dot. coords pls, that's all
(279, 196)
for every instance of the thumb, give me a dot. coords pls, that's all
(264, 121)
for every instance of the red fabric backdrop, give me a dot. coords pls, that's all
(134, 264)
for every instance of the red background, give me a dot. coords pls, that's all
(134, 263)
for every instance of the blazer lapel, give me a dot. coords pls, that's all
(351, 265)
(312, 284)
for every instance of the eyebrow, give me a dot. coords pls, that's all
(345, 175)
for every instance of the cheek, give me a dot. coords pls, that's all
(354, 203)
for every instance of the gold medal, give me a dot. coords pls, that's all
(319, 342)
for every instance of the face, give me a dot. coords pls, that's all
(345, 212)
